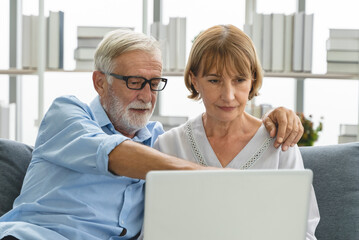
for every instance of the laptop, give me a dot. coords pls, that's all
(227, 204)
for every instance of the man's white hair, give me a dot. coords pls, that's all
(119, 42)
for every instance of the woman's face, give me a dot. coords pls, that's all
(224, 95)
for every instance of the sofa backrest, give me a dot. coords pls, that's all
(336, 184)
(14, 160)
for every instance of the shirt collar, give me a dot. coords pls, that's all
(99, 112)
(142, 135)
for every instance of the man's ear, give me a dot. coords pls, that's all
(99, 82)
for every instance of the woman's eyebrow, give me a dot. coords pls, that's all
(212, 75)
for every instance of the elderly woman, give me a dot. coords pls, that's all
(224, 72)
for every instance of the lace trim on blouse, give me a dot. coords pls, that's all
(195, 150)
(200, 159)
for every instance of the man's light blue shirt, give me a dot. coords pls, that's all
(68, 192)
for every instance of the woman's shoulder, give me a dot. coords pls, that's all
(180, 131)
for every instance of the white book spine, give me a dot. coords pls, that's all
(159, 31)
(164, 44)
(338, 67)
(349, 129)
(26, 41)
(247, 29)
(173, 41)
(267, 42)
(96, 31)
(181, 46)
(257, 34)
(298, 42)
(342, 56)
(288, 43)
(34, 40)
(4, 121)
(88, 42)
(84, 65)
(344, 33)
(61, 39)
(346, 44)
(277, 42)
(54, 40)
(308, 42)
(85, 53)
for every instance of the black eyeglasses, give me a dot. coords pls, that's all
(138, 83)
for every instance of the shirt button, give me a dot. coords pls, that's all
(122, 222)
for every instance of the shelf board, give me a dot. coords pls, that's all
(13, 71)
(311, 75)
(292, 75)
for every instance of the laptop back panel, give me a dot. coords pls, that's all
(233, 204)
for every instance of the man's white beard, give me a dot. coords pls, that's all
(122, 118)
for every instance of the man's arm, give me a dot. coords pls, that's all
(135, 160)
(286, 124)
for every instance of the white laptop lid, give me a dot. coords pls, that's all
(227, 204)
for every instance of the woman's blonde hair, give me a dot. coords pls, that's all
(225, 47)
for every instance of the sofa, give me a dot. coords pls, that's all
(336, 183)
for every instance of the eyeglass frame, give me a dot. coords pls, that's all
(125, 78)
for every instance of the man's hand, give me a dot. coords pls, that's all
(286, 124)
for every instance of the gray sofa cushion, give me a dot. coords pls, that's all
(336, 184)
(14, 160)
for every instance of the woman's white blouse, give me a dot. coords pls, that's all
(189, 141)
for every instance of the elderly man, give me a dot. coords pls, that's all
(85, 179)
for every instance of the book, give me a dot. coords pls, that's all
(257, 33)
(61, 39)
(55, 40)
(247, 29)
(349, 129)
(96, 31)
(4, 121)
(172, 41)
(277, 42)
(308, 42)
(346, 139)
(342, 56)
(84, 65)
(298, 42)
(26, 41)
(343, 33)
(181, 35)
(349, 44)
(159, 32)
(267, 42)
(88, 42)
(343, 67)
(169, 122)
(288, 42)
(34, 40)
(85, 53)
(176, 30)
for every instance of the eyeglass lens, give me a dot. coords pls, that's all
(156, 84)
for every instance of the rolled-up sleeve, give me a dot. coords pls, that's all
(71, 137)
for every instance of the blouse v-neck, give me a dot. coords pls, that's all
(205, 155)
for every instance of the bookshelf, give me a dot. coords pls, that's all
(251, 9)
(16, 73)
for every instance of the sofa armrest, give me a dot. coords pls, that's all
(14, 160)
(336, 184)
